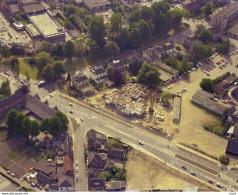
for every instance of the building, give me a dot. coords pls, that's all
(97, 5)
(68, 165)
(224, 18)
(18, 25)
(188, 41)
(96, 140)
(116, 154)
(176, 109)
(82, 84)
(232, 147)
(190, 189)
(43, 179)
(119, 66)
(216, 34)
(115, 185)
(167, 73)
(193, 6)
(219, 91)
(232, 132)
(66, 184)
(202, 98)
(98, 160)
(34, 8)
(98, 74)
(46, 27)
(96, 184)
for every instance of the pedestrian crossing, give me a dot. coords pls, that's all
(163, 150)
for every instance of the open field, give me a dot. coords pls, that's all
(146, 173)
(25, 66)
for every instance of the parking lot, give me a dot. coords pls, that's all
(193, 118)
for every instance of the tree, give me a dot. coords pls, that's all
(55, 126)
(18, 128)
(135, 16)
(135, 66)
(118, 78)
(46, 46)
(63, 119)
(161, 7)
(50, 155)
(111, 49)
(165, 96)
(42, 59)
(135, 38)
(207, 84)
(69, 49)
(27, 75)
(11, 117)
(203, 34)
(47, 73)
(161, 23)
(148, 75)
(45, 125)
(106, 175)
(122, 39)
(25, 129)
(208, 8)
(200, 51)
(59, 50)
(116, 22)
(110, 72)
(95, 50)
(97, 30)
(223, 47)
(71, 9)
(147, 14)
(58, 68)
(224, 159)
(68, 77)
(14, 61)
(5, 52)
(224, 116)
(177, 15)
(52, 7)
(144, 28)
(35, 127)
(5, 88)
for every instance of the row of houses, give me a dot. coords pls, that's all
(98, 162)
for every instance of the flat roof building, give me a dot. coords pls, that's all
(97, 5)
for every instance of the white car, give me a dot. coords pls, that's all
(76, 163)
(76, 170)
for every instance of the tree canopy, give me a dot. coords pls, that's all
(69, 49)
(111, 49)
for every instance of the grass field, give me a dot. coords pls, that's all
(13, 154)
(25, 66)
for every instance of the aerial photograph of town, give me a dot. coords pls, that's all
(118, 96)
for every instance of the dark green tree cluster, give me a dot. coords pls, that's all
(22, 125)
(203, 34)
(224, 159)
(148, 75)
(200, 51)
(113, 174)
(115, 75)
(135, 66)
(5, 89)
(179, 63)
(5, 52)
(208, 9)
(14, 62)
(223, 47)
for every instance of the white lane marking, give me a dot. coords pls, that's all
(87, 115)
(83, 114)
(152, 146)
(156, 148)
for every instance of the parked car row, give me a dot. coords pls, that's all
(184, 90)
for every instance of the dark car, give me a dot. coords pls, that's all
(185, 168)
(6, 73)
(210, 181)
(192, 173)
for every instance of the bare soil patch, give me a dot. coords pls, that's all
(146, 173)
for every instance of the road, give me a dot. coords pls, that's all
(157, 147)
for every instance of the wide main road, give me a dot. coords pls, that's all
(153, 145)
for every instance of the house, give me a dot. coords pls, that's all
(193, 6)
(169, 49)
(150, 54)
(58, 141)
(202, 98)
(232, 132)
(82, 84)
(118, 65)
(66, 184)
(115, 185)
(98, 160)
(234, 93)
(219, 90)
(116, 153)
(45, 167)
(96, 140)
(96, 184)
(232, 147)
(53, 188)
(68, 165)
(216, 33)
(98, 74)
(93, 172)
(97, 5)
(43, 179)
(188, 41)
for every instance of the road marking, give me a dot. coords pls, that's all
(83, 114)
(152, 146)
(156, 148)
(87, 115)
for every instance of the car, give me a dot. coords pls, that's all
(174, 80)
(77, 177)
(205, 71)
(208, 74)
(224, 101)
(141, 143)
(76, 163)
(222, 60)
(33, 184)
(220, 67)
(184, 89)
(193, 174)
(235, 83)
(9, 172)
(50, 95)
(208, 69)
(22, 82)
(6, 73)
(180, 78)
(185, 168)
(81, 119)
(76, 170)
(71, 112)
(169, 87)
(41, 83)
(219, 185)
(210, 181)
(223, 65)
(13, 175)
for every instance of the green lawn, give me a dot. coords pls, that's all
(13, 154)
(25, 66)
